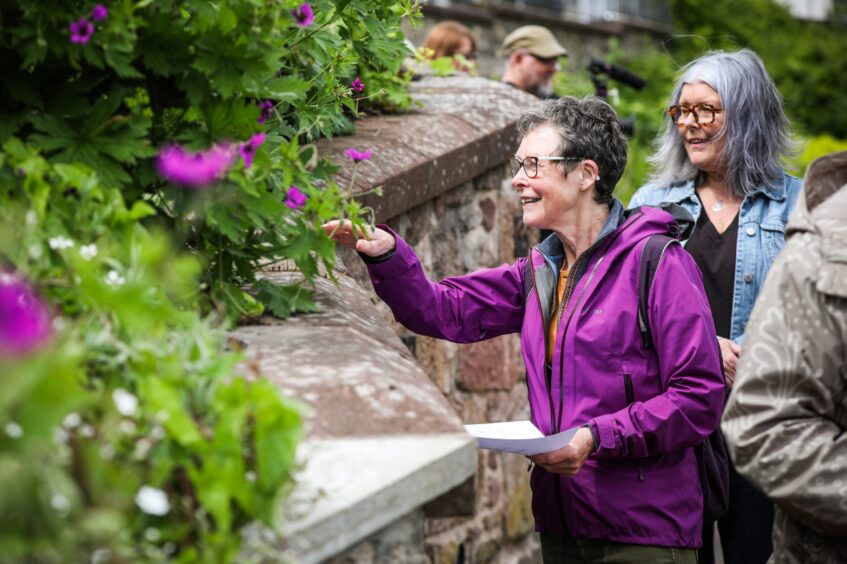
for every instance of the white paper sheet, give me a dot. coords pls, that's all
(519, 437)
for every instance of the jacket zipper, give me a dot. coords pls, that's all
(630, 399)
(548, 374)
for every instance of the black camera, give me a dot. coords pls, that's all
(597, 67)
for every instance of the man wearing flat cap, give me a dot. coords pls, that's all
(533, 58)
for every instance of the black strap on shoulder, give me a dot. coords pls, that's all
(651, 258)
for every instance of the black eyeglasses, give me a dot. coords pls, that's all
(530, 164)
(703, 114)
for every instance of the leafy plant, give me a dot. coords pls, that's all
(153, 157)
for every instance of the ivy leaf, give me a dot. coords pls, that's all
(282, 301)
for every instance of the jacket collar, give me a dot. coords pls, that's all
(551, 247)
(776, 192)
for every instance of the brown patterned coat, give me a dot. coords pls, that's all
(786, 420)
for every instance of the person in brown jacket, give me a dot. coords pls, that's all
(786, 420)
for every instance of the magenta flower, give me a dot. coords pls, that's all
(357, 85)
(194, 170)
(24, 320)
(295, 198)
(303, 16)
(358, 156)
(248, 150)
(99, 13)
(267, 111)
(81, 30)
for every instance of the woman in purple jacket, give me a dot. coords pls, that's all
(626, 488)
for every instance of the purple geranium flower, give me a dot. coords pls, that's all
(194, 170)
(267, 111)
(24, 319)
(99, 13)
(295, 198)
(248, 150)
(303, 16)
(357, 85)
(81, 30)
(358, 156)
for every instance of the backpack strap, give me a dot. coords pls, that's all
(651, 258)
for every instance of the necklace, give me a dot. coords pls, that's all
(717, 206)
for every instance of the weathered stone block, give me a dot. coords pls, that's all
(489, 365)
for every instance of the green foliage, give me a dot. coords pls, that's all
(128, 303)
(802, 57)
(814, 148)
(193, 72)
(134, 434)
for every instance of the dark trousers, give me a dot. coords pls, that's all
(746, 530)
(559, 549)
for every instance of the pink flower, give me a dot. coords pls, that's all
(358, 156)
(81, 30)
(248, 150)
(357, 85)
(295, 198)
(24, 320)
(267, 111)
(303, 16)
(99, 13)
(194, 170)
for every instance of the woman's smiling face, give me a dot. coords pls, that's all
(548, 197)
(703, 149)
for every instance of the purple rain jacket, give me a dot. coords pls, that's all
(646, 408)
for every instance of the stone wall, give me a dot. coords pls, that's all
(386, 472)
(468, 223)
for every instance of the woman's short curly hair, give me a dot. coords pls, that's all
(589, 129)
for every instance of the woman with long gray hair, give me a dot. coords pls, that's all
(720, 157)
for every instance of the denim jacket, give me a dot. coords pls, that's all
(761, 234)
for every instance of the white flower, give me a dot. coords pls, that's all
(71, 420)
(36, 251)
(86, 431)
(58, 324)
(59, 502)
(60, 436)
(152, 534)
(152, 501)
(107, 452)
(127, 427)
(125, 402)
(101, 555)
(13, 430)
(31, 218)
(157, 432)
(250, 476)
(115, 279)
(60, 243)
(88, 252)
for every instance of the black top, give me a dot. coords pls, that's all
(714, 254)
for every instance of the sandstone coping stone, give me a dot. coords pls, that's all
(380, 438)
(459, 127)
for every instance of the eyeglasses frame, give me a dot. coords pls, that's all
(521, 164)
(715, 111)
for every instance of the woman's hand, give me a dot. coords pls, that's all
(729, 355)
(569, 459)
(372, 241)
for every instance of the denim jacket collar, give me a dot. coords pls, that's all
(775, 192)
